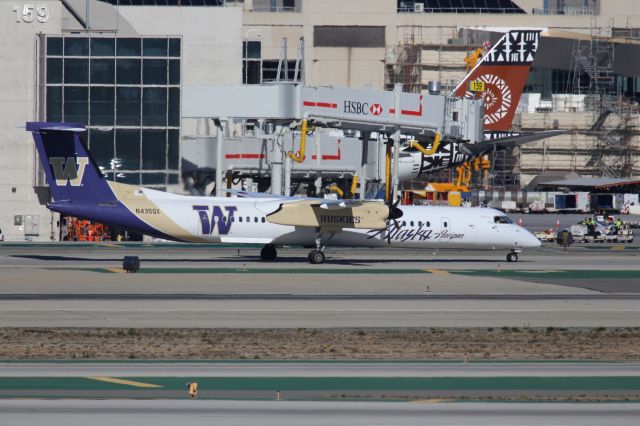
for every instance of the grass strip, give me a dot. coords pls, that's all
(334, 383)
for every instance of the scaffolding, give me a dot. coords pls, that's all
(612, 154)
(424, 54)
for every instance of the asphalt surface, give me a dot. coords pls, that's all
(278, 413)
(320, 314)
(71, 285)
(320, 369)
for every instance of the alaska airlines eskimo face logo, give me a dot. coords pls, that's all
(496, 96)
(208, 221)
(68, 170)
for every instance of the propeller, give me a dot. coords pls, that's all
(394, 214)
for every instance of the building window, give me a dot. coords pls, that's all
(126, 90)
(276, 5)
(459, 6)
(182, 3)
(256, 70)
(348, 36)
(287, 70)
(251, 62)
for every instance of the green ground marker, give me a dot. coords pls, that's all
(334, 383)
(558, 274)
(563, 274)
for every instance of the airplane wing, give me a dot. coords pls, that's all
(324, 203)
(483, 147)
(326, 213)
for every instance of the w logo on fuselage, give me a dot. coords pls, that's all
(208, 223)
(68, 170)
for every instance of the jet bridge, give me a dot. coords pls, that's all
(270, 113)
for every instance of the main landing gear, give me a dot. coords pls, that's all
(317, 256)
(269, 253)
(513, 256)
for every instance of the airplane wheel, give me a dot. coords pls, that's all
(512, 257)
(268, 253)
(316, 257)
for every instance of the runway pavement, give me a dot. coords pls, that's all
(320, 369)
(71, 285)
(278, 413)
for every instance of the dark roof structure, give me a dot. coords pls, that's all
(627, 185)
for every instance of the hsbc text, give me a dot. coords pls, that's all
(355, 107)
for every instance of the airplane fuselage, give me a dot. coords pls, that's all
(245, 220)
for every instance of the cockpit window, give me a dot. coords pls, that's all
(501, 219)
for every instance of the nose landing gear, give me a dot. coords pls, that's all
(513, 256)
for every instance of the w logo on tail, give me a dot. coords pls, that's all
(68, 170)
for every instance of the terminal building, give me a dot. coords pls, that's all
(122, 68)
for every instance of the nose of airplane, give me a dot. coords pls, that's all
(528, 239)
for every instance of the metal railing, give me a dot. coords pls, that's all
(569, 11)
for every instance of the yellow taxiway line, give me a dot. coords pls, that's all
(437, 271)
(124, 382)
(432, 401)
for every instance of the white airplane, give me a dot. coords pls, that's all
(503, 71)
(79, 189)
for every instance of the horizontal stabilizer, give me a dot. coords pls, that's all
(248, 194)
(475, 149)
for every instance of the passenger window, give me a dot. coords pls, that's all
(262, 220)
(404, 223)
(419, 223)
(248, 219)
(445, 224)
(428, 224)
(240, 219)
(411, 223)
(255, 219)
(224, 219)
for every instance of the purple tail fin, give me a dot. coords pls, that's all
(72, 175)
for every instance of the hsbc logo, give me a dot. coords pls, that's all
(68, 170)
(361, 108)
(375, 109)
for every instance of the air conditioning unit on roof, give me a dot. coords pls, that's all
(418, 7)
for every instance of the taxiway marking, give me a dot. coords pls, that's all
(125, 382)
